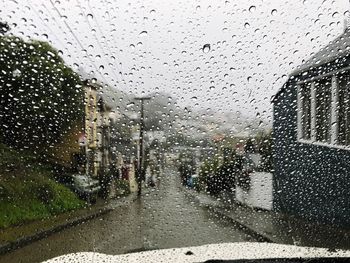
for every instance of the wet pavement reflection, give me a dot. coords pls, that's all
(162, 218)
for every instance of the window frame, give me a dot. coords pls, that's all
(334, 111)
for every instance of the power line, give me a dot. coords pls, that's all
(97, 40)
(120, 66)
(44, 23)
(77, 39)
(101, 33)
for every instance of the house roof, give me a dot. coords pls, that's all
(112, 97)
(337, 48)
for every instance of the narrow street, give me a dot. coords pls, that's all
(162, 218)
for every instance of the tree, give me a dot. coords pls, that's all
(265, 149)
(250, 146)
(40, 97)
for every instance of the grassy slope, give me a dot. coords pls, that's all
(26, 191)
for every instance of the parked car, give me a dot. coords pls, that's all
(85, 187)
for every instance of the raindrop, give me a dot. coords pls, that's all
(335, 14)
(206, 48)
(131, 104)
(90, 16)
(252, 8)
(246, 25)
(143, 33)
(16, 73)
(274, 12)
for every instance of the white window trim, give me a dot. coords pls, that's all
(300, 113)
(313, 112)
(329, 145)
(334, 116)
(334, 111)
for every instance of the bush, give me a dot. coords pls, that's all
(35, 197)
(44, 193)
(122, 187)
(215, 178)
(206, 173)
(27, 191)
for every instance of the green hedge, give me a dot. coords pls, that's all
(122, 187)
(33, 198)
(27, 191)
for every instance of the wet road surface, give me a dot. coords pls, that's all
(161, 218)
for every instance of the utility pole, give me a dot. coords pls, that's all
(140, 163)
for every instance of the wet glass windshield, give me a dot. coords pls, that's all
(129, 126)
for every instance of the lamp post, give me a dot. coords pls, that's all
(140, 163)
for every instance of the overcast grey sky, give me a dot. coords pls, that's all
(144, 46)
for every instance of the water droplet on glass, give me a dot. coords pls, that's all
(206, 48)
(16, 73)
(143, 33)
(131, 104)
(252, 8)
(335, 14)
(273, 12)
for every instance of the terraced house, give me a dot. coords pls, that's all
(97, 130)
(312, 137)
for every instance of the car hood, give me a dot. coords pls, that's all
(223, 251)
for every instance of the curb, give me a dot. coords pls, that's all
(21, 242)
(261, 237)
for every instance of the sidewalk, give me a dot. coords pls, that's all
(18, 236)
(275, 227)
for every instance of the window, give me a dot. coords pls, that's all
(306, 111)
(324, 110)
(344, 109)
